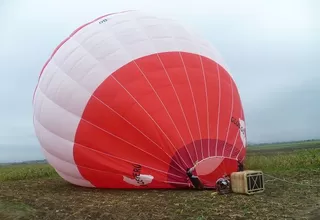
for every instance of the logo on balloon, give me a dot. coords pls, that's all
(242, 126)
(138, 178)
(103, 21)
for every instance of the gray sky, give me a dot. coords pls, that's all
(272, 48)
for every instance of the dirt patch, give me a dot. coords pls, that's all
(314, 213)
(9, 209)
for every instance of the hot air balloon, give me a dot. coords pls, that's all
(131, 100)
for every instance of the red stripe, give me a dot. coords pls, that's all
(127, 89)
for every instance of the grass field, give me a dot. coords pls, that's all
(37, 192)
(284, 147)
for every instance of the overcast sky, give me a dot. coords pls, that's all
(271, 47)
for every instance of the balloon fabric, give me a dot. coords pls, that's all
(130, 100)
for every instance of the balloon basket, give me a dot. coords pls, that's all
(247, 182)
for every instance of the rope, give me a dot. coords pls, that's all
(295, 183)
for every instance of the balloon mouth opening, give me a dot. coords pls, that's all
(212, 168)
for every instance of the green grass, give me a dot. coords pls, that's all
(26, 172)
(295, 160)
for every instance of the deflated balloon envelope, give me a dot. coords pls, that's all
(131, 100)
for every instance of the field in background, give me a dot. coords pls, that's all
(284, 147)
(35, 191)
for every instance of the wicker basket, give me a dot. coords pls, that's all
(247, 182)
